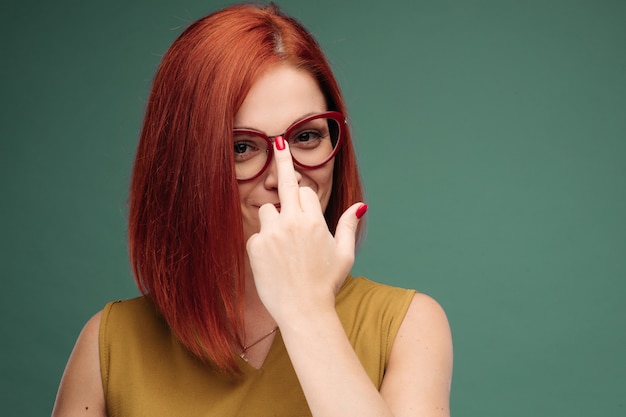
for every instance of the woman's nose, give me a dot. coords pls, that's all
(271, 175)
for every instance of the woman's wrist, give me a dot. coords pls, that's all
(306, 316)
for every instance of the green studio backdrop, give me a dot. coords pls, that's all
(491, 136)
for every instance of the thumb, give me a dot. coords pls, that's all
(345, 234)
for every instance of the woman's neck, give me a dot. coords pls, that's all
(257, 323)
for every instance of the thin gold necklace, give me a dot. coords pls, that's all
(244, 349)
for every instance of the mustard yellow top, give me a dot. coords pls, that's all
(147, 372)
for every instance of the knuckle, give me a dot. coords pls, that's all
(288, 182)
(283, 157)
(251, 243)
(347, 256)
(265, 209)
(351, 226)
(307, 192)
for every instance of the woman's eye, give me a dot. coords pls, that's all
(306, 139)
(244, 150)
(241, 148)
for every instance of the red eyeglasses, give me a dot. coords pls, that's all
(313, 141)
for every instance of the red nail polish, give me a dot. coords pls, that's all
(360, 212)
(280, 143)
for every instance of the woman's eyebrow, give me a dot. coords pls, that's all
(291, 124)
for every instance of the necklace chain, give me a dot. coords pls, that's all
(244, 349)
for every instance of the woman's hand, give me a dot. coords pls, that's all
(298, 265)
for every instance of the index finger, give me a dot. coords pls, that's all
(287, 180)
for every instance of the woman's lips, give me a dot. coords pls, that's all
(277, 205)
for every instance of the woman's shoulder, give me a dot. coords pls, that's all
(81, 383)
(128, 317)
(135, 304)
(363, 300)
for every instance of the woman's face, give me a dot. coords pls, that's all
(280, 97)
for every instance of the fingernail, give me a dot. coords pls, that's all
(360, 212)
(280, 143)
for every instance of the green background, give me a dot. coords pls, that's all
(492, 141)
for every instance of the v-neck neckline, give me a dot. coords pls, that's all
(276, 343)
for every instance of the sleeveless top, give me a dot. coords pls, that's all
(146, 371)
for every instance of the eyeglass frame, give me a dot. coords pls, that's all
(334, 115)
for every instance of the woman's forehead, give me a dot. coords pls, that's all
(278, 98)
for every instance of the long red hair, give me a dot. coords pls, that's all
(185, 229)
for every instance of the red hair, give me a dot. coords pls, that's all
(185, 228)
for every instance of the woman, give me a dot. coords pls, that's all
(244, 212)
